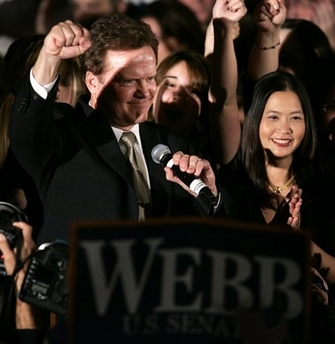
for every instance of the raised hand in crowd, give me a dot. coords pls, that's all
(230, 11)
(269, 17)
(324, 17)
(65, 40)
(225, 121)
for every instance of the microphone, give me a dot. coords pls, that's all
(161, 154)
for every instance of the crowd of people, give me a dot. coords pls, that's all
(244, 97)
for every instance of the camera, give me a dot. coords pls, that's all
(9, 213)
(45, 282)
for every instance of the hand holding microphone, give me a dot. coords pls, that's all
(195, 175)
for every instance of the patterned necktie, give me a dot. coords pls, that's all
(139, 175)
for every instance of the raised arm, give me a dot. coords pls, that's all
(224, 116)
(324, 17)
(32, 132)
(65, 40)
(264, 56)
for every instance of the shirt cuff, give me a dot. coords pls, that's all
(41, 90)
(218, 201)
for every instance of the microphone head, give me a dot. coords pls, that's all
(158, 153)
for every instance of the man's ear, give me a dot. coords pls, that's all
(91, 81)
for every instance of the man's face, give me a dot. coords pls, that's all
(125, 91)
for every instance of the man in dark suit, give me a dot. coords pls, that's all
(74, 155)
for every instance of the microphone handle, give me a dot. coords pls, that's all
(205, 200)
(194, 183)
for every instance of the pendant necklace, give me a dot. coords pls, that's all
(279, 189)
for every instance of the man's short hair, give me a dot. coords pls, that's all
(117, 32)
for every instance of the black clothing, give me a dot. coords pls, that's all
(316, 216)
(12, 178)
(79, 169)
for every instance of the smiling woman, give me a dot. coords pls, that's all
(274, 177)
(278, 144)
(282, 127)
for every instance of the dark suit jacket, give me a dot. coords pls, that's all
(80, 171)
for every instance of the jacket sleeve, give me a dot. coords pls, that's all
(217, 207)
(34, 138)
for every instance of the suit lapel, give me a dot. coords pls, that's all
(99, 137)
(150, 137)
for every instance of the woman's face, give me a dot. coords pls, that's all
(177, 103)
(282, 127)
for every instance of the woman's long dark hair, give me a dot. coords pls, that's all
(253, 155)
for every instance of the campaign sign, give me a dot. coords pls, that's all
(188, 281)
